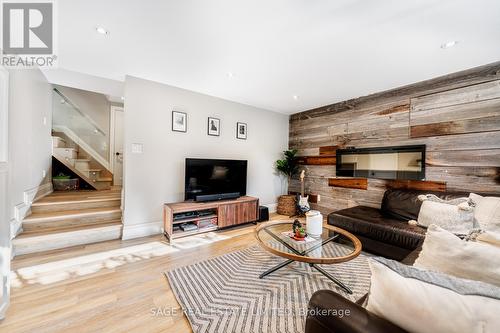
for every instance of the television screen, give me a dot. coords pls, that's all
(215, 177)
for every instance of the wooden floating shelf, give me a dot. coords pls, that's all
(356, 183)
(317, 160)
(429, 185)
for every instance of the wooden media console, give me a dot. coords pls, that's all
(181, 219)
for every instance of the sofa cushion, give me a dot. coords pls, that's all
(371, 223)
(478, 260)
(405, 205)
(423, 301)
(487, 212)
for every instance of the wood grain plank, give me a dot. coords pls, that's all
(473, 158)
(357, 183)
(328, 150)
(486, 124)
(482, 109)
(467, 178)
(438, 186)
(469, 94)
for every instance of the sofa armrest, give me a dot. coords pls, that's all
(344, 316)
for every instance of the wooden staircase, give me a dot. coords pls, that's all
(65, 219)
(80, 162)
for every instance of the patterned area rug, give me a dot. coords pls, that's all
(225, 294)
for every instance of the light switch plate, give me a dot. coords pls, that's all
(137, 148)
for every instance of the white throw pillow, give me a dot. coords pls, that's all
(456, 215)
(487, 212)
(422, 301)
(444, 252)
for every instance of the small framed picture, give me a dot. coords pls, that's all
(241, 131)
(213, 126)
(179, 121)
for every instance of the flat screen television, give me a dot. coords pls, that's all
(211, 179)
(401, 162)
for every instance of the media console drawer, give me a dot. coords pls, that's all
(225, 213)
(237, 213)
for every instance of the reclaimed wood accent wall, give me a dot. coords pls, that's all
(457, 116)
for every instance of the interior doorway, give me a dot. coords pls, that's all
(116, 142)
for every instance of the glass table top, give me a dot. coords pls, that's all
(333, 245)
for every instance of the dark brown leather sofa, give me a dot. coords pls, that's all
(386, 231)
(383, 232)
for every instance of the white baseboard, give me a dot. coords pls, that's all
(22, 209)
(142, 230)
(272, 207)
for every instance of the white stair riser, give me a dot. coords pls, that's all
(82, 166)
(65, 239)
(58, 142)
(66, 152)
(56, 207)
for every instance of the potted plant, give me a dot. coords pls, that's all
(288, 167)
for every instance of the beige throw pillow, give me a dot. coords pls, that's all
(444, 252)
(456, 215)
(487, 212)
(423, 301)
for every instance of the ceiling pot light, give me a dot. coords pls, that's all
(449, 44)
(102, 30)
(230, 74)
(295, 97)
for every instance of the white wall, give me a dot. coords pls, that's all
(157, 175)
(5, 241)
(84, 81)
(30, 143)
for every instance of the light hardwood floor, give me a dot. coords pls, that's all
(114, 286)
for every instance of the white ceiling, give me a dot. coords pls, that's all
(324, 51)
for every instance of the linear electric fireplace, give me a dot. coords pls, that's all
(401, 162)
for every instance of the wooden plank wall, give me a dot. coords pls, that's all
(457, 116)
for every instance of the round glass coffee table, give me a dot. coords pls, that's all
(333, 246)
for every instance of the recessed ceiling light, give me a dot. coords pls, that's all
(295, 97)
(123, 98)
(449, 44)
(230, 74)
(102, 30)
